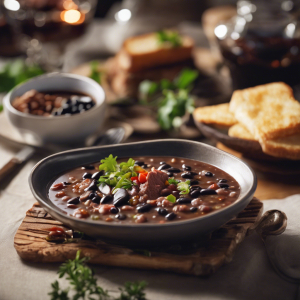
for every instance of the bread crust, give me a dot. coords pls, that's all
(158, 55)
(240, 131)
(218, 115)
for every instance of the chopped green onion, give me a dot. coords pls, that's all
(171, 198)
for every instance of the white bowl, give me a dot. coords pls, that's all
(39, 130)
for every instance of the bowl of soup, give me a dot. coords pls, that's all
(153, 192)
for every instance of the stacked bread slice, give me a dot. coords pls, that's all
(268, 114)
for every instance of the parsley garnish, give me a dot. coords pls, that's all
(118, 175)
(83, 284)
(171, 37)
(173, 181)
(184, 187)
(1, 107)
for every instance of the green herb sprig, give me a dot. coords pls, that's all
(171, 98)
(17, 72)
(118, 175)
(184, 187)
(83, 284)
(171, 37)
(95, 73)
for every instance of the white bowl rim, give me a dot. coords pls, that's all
(7, 99)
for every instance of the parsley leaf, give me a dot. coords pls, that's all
(173, 181)
(171, 198)
(83, 284)
(109, 164)
(186, 78)
(184, 187)
(171, 37)
(95, 73)
(173, 107)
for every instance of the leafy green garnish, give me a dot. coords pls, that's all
(184, 187)
(95, 73)
(171, 37)
(118, 175)
(1, 107)
(109, 164)
(16, 72)
(84, 284)
(173, 181)
(173, 107)
(171, 198)
(172, 99)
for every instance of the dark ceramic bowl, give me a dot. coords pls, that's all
(47, 170)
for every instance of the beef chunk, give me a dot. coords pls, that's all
(155, 183)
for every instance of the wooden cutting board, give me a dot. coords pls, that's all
(210, 254)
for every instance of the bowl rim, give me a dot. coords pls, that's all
(7, 100)
(248, 193)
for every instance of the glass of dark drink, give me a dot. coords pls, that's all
(46, 27)
(262, 43)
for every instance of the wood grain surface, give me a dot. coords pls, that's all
(211, 253)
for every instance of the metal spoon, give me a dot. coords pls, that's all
(274, 222)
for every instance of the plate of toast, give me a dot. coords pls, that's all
(262, 122)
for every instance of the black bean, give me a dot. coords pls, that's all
(66, 183)
(195, 187)
(96, 199)
(208, 192)
(92, 187)
(223, 185)
(176, 194)
(183, 200)
(162, 163)
(188, 175)
(209, 174)
(170, 174)
(174, 170)
(120, 216)
(89, 167)
(170, 216)
(114, 210)
(97, 175)
(139, 163)
(145, 166)
(165, 192)
(144, 208)
(121, 197)
(223, 180)
(92, 195)
(186, 168)
(195, 193)
(74, 200)
(194, 182)
(193, 209)
(104, 188)
(161, 211)
(106, 199)
(164, 167)
(86, 175)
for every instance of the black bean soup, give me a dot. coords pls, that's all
(49, 104)
(144, 190)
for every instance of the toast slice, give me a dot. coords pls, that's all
(145, 51)
(285, 147)
(240, 131)
(268, 111)
(217, 115)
